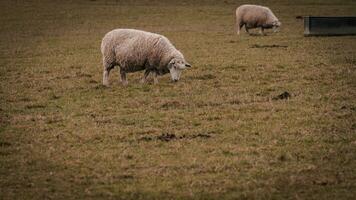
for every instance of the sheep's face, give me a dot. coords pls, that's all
(175, 67)
(276, 25)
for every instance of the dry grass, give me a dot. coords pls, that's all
(216, 134)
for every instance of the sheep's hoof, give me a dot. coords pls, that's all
(106, 84)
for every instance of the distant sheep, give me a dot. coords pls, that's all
(254, 16)
(134, 50)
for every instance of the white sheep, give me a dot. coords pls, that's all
(134, 50)
(254, 16)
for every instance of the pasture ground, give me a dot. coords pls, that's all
(216, 134)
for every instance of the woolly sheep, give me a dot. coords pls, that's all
(254, 16)
(135, 50)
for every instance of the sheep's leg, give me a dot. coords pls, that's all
(238, 26)
(145, 75)
(247, 30)
(123, 77)
(107, 68)
(106, 77)
(155, 77)
(262, 31)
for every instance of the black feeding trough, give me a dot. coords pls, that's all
(329, 26)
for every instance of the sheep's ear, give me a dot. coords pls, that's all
(188, 65)
(171, 63)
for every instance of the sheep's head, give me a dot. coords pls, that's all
(176, 66)
(276, 25)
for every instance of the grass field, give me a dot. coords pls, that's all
(216, 134)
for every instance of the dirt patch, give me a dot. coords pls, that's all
(204, 104)
(54, 120)
(268, 46)
(353, 127)
(284, 95)
(172, 104)
(299, 17)
(124, 176)
(54, 97)
(235, 102)
(93, 81)
(205, 77)
(5, 144)
(166, 137)
(201, 135)
(25, 99)
(100, 120)
(80, 75)
(34, 106)
(101, 87)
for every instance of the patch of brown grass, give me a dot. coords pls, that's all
(216, 134)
